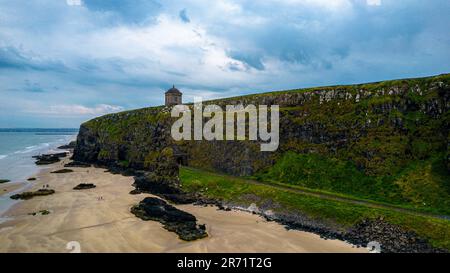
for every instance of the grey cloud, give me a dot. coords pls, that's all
(292, 46)
(183, 16)
(252, 60)
(14, 58)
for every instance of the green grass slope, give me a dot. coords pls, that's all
(341, 214)
(422, 185)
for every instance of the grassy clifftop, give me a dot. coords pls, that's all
(386, 141)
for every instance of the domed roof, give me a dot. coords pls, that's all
(173, 90)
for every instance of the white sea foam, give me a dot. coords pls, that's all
(32, 148)
(16, 162)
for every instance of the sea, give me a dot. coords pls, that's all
(17, 146)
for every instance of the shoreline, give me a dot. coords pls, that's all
(109, 226)
(28, 169)
(11, 187)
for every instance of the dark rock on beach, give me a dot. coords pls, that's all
(135, 192)
(156, 184)
(180, 198)
(63, 171)
(291, 220)
(41, 212)
(44, 212)
(220, 207)
(84, 186)
(164, 187)
(203, 201)
(392, 238)
(182, 223)
(298, 221)
(29, 195)
(121, 170)
(46, 159)
(161, 179)
(32, 179)
(77, 164)
(71, 145)
(4, 181)
(58, 155)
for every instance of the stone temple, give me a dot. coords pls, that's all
(173, 97)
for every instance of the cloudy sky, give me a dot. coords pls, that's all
(65, 61)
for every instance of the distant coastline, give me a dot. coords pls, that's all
(40, 130)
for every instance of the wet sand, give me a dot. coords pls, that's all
(108, 226)
(6, 188)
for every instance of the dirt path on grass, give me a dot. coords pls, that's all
(371, 204)
(349, 200)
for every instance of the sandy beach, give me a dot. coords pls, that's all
(106, 224)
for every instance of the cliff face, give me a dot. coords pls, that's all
(387, 141)
(382, 129)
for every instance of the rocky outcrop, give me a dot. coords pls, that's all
(77, 164)
(63, 171)
(182, 223)
(163, 187)
(41, 212)
(84, 186)
(29, 195)
(47, 159)
(69, 146)
(4, 181)
(388, 237)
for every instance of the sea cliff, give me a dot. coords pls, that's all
(384, 134)
(385, 142)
